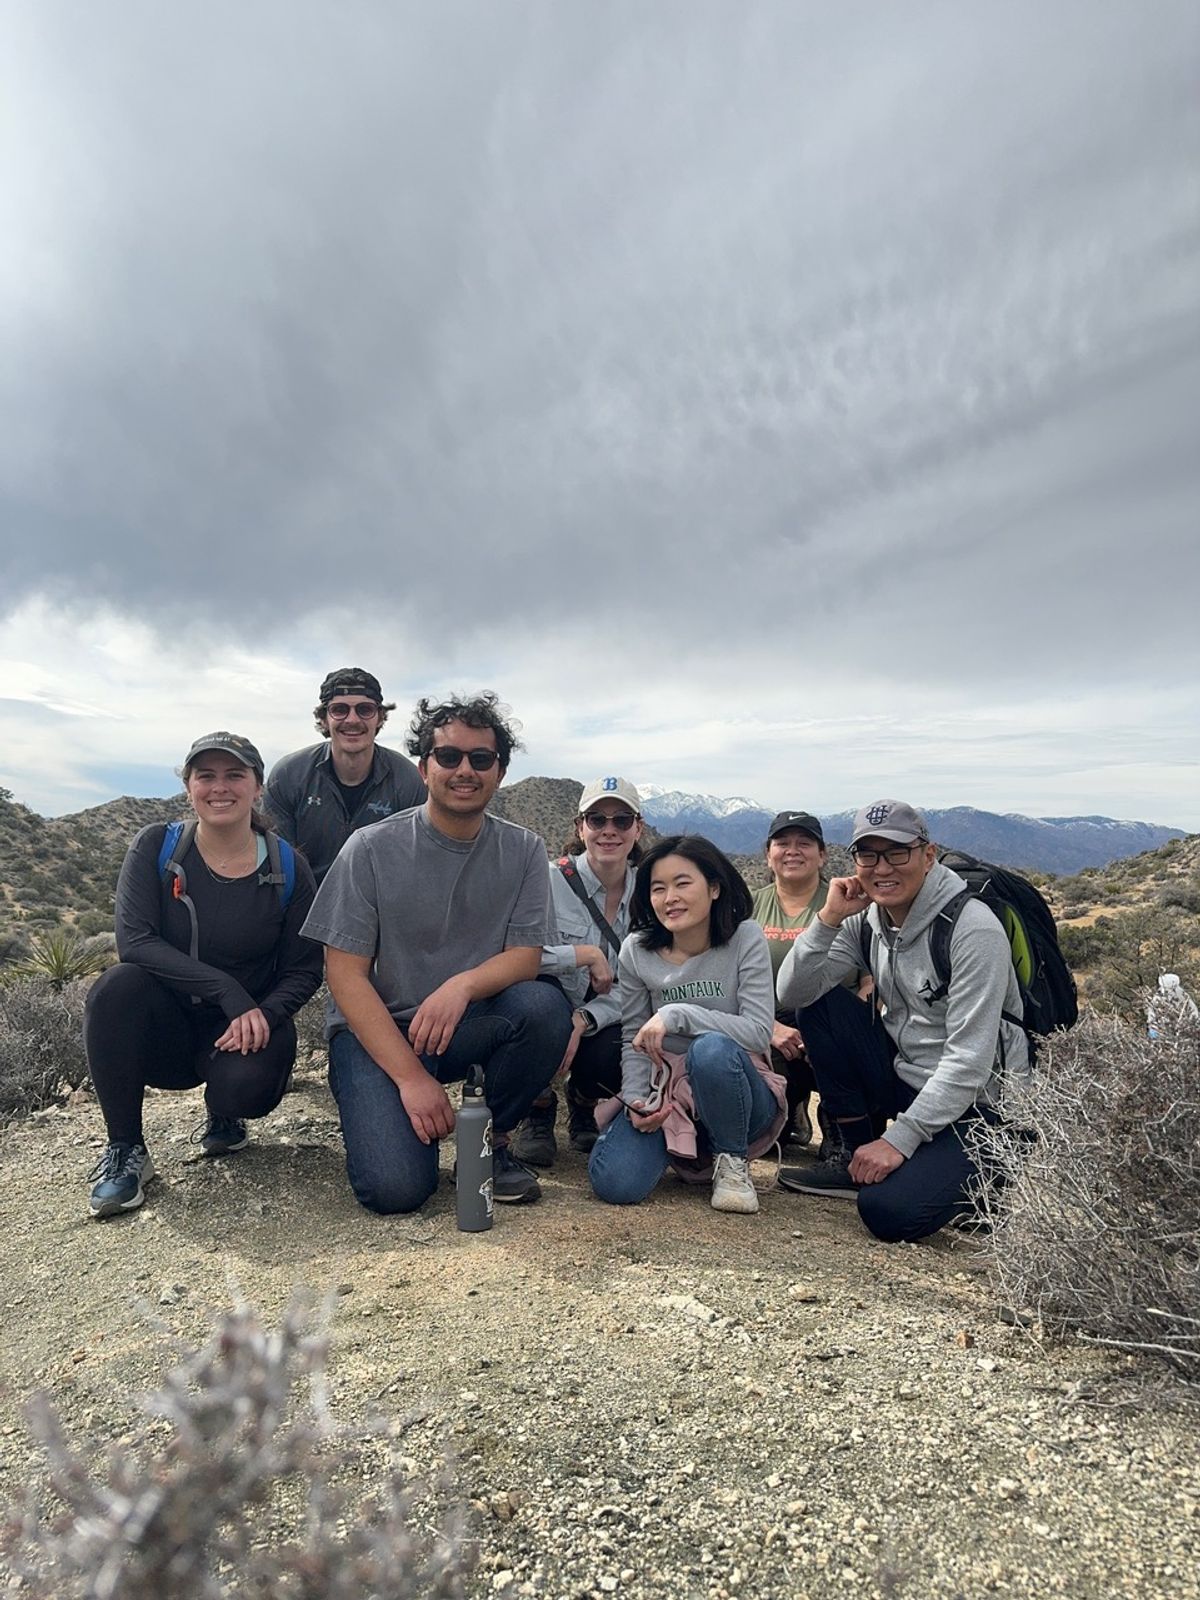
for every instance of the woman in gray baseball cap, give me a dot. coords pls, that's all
(213, 969)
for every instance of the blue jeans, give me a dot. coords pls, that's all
(518, 1036)
(734, 1106)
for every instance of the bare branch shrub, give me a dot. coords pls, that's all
(174, 1518)
(310, 1028)
(1096, 1226)
(41, 1042)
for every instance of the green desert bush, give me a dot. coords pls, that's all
(173, 1513)
(1096, 1228)
(41, 1042)
(61, 956)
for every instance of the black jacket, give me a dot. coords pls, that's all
(307, 808)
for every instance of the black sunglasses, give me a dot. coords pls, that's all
(624, 820)
(364, 711)
(449, 756)
(896, 857)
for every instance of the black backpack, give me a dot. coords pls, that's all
(1048, 993)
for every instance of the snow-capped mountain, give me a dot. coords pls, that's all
(1049, 844)
(735, 823)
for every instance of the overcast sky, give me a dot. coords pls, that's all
(784, 399)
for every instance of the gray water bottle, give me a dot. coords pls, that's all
(473, 1135)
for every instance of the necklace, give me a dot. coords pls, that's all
(241, 854)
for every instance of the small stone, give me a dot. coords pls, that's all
(1009, 1489)
(609, 1583)
(963, 1339)
(805, 1293)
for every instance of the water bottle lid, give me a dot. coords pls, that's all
(474, 1084)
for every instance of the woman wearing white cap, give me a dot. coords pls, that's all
(213, 968)
(592, 886)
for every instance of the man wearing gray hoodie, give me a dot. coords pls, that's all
(942, 1050)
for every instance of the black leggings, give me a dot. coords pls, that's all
(596, 1069)
(138, 1033)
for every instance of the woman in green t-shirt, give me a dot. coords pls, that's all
(783, 908)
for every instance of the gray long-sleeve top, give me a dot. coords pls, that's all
(949, 1050)
(575, 927)
(250, 950)
(725, 990)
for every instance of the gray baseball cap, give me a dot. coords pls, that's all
(890, 819)
(230, 744)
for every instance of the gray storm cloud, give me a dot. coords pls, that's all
(676, 297)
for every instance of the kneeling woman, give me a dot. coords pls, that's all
(697, 1008)
(212, 969)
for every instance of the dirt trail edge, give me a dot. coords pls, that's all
(656, 1402)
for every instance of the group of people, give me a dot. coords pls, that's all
(686, 1021)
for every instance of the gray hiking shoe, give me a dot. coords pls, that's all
(119, 1179)
(223, 1134)
(828, 1177)
(533, 1140)
(512, 1182)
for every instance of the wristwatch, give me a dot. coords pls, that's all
(589, 1021)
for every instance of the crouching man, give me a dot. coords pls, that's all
(433, 923)
(905, 1092)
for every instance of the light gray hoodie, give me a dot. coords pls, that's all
(948, 1050)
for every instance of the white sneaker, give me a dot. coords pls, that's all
(731, 1186)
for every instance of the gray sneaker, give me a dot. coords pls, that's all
(828, 1177)
(533, 1140)
(512, 1182)
(223, 1134)
(119, 1179)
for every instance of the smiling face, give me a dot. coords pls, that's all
(681, 897)
(604, 842)
(894, 885)
(460, 791)
(795, 859)
(352, 721)
(223, 792)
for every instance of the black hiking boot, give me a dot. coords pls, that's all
(533, 1140)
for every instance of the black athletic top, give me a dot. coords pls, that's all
(250, 949)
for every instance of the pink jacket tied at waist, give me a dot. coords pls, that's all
(680, 1126)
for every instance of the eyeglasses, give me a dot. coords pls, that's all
(623, 820)
(364, 710)
(894, 858)
(448, 756)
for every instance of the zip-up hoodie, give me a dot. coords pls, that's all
(950, 1051)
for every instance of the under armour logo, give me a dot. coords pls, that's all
(313, 800)
(878, 814)
(609, 784)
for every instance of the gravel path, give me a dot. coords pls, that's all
(662, 1402)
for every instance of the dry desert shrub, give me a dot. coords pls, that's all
(178, 1513)
(41, 1042)
(1096, 1228)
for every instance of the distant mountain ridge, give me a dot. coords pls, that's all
(1047, 844)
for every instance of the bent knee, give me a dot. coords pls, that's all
(393, 1197)
(714, 1052)
(122, 985)
(887, 1219)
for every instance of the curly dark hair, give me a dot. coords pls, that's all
(484, 710)
(730, 909)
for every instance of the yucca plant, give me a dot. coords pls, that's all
(60, 957)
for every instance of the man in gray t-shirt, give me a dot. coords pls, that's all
(433, 923)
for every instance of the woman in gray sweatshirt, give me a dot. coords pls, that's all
(697, 1006)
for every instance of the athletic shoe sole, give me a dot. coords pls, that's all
(219, 1147)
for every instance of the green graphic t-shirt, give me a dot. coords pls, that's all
(779, 928)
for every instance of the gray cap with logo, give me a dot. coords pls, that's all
(890, 819)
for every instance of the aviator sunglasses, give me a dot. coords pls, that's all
(622, 820)
(364, 710)
(449, 756)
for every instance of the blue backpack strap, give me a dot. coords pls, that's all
(281, 860)
(171, 836)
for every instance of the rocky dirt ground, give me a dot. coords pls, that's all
(661, 1402)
